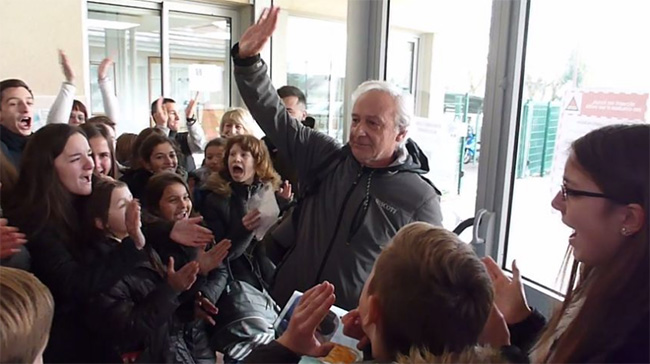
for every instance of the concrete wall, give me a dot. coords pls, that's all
(31, 32)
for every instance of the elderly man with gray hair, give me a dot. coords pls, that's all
(357, 196)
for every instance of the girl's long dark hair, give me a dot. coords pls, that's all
(43, 200)
(616, 298)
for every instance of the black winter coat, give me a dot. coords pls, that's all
(138, 315)
(72, 281)
(223, 215)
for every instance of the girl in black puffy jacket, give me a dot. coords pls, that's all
(138, 316)
(248, 171)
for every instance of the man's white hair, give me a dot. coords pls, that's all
(403, 112)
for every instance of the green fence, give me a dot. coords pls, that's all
(537, 134)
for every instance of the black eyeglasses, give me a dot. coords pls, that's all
(566, 192)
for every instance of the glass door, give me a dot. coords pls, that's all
(566, 74)
(199, 48)
(176, 49)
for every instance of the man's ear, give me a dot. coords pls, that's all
(401, 135)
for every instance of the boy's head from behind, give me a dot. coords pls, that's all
(26, 310)
(427, 290)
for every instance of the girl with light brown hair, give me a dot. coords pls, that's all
(248, 174)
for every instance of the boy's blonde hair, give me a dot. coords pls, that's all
(26, 310)
(237, 116)
(434, 292)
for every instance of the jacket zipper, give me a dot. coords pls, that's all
(336, 228)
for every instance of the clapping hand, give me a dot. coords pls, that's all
(300, 336)
(191, 106)
(509, 294)
(286, 191)
(204, 309)
(134, 223)
(185, 277)
(209, 260)
(67, 68)
(11, 239)
(102, 71)
(160, 115)
(352, 328)
(188, 232)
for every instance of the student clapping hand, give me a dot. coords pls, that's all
(352, 328)
(300, 336)
(209, 260)
(134, 223)
(10, 239)
(185, 277)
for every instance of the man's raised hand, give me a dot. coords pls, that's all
(256, 36)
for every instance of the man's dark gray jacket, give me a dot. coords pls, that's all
(356, 210)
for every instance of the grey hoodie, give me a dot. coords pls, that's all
(356, 210)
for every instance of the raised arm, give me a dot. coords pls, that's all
(111, 105)
(303, 147)
(196, 139)
(62, 106)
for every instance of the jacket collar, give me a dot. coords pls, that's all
(12, 140)
(408, 158)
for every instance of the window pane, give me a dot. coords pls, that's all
(131, 37)
(200, 51)
(441, 63)
(309, 49)
(573, 48)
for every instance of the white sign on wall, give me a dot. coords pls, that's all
(205, 77)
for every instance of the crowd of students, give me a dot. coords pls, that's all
(120, 250)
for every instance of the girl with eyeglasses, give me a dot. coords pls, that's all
(604, 198)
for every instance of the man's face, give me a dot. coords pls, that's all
(373, 133)
(172, 116)
(295, 108)
(16, 112)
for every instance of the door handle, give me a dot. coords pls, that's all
(482, 231)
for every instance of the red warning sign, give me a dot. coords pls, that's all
(614, 105)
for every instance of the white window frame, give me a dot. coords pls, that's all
(234, 14)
